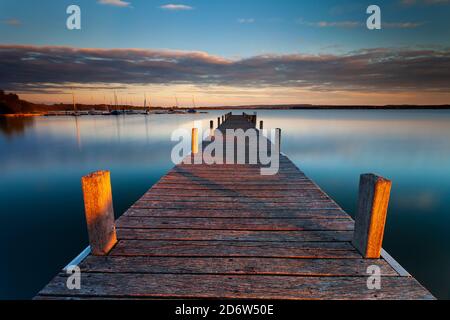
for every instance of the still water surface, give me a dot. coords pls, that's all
(42, 159)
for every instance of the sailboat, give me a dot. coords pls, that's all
(75, 110)
(193, 105)
(115, 112)
(146, 110)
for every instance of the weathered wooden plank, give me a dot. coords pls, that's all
(235, 249)
(274, 194)
(233, 235)
(237, 175)
(236, 187)
(242, 175)
(232, 205)
(285, 161)
(242, 287)
(233, 266)
(237, 198)
(86, 298)
(285, 165)
(219, 179)
(254, 214)
(235, 170)
(299, 184)
(251, 179)
(247, 185)
(236, 224)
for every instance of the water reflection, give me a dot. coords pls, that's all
(46, 157)
(77, 127)
(11, 126)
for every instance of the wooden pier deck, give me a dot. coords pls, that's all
(225, 232)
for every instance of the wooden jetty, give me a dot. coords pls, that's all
(225, 231)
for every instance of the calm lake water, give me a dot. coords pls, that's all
(42, 225)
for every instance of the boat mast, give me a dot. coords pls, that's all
(73, 101)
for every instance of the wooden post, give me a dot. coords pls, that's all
(99, 212)
(370, 220)
(261, 125)
(211, 124)
(194, 140)
(278, 130)
(218, 122)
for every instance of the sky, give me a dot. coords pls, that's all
(227, 52)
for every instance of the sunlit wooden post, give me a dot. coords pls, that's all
(261, 125)
(99, 212)
(194, 140)
(370, 220)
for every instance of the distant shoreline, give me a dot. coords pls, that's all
(49, 109)
(11, 104)
(13, 115)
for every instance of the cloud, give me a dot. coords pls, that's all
(358, 24)
(402, 25)
(176, 7)
(12, 22)
(116, 3)
(340, 24)
(246, 20)
(328, 24)
(372, 70)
